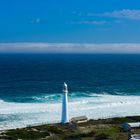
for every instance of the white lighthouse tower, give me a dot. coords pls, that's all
(65, 117)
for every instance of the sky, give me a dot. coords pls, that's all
(71, 23)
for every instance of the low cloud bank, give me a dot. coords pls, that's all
(69, 48)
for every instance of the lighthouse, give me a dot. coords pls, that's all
(65, 117)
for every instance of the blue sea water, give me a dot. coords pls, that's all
(31, 86)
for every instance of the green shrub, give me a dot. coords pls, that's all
(101, 136)
(24, 134)
(55, 130)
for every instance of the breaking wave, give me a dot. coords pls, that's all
(47, 109)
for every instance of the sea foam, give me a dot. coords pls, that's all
(16, 115)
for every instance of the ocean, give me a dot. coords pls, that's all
(100, 86)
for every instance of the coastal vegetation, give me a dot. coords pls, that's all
(102, 129)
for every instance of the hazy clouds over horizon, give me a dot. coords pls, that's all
(69, 48)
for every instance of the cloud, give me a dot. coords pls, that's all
(90, 22)
(69, 48)
(120, 14)
(35, 21)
